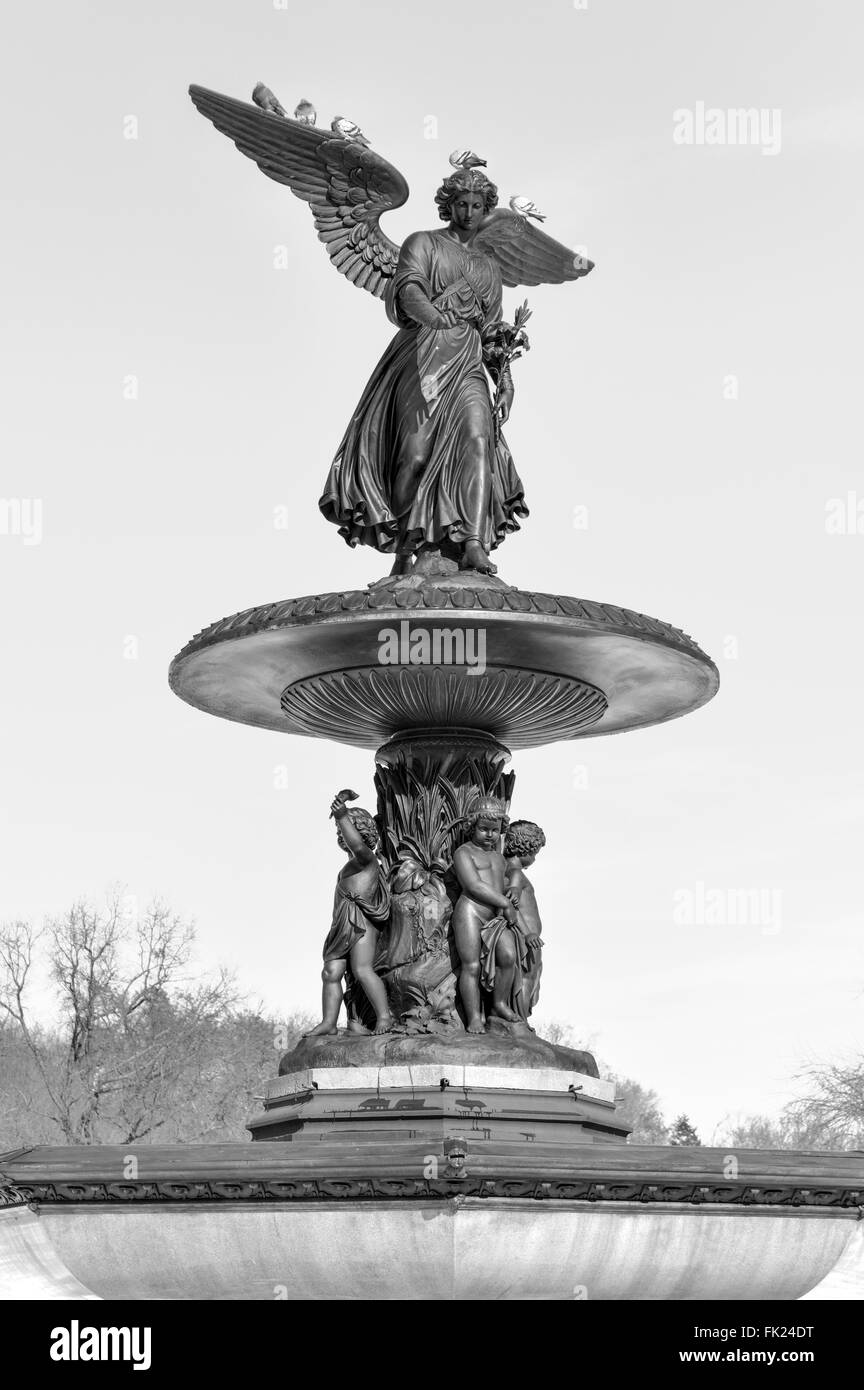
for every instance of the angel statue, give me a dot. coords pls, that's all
(423, 469)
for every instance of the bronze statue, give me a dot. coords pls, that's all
(522, 843)
(415, 960)
(360, 908)
(435, 934)
(491, 953)
(423, 465)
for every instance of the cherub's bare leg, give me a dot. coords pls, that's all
(505, 970)
(372, 985)
(466, 932)
(331, 998)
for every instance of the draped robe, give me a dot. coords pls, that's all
(405, 474)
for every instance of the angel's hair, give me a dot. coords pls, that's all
(365, 823)
(524, 837)
(465, 181)
(488, 808)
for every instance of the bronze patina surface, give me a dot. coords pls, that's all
(555, 667)
(434, 945)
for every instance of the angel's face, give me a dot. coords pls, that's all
(467, 211)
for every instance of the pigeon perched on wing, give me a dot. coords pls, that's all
(267, 100)
(305, 112)
(466, 159)
(526, 207)
(348, 130)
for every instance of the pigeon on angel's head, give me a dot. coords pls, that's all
(267, 100)
(466, 159)
(526, 207)
(305, 112)
(348, 130)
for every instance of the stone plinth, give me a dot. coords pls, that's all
(496, 1048)
(467, 1110)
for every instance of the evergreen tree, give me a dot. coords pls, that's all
(683, 1133)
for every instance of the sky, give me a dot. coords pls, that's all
(686, 425)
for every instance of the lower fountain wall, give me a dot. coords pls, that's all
(451, 1250)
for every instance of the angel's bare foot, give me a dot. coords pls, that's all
(355, 1026)
(474, 557)
(385, 1024)
(323, 1030)
(475, 1025)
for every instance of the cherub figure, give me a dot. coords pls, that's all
(523, 842)
(360, 907)
(484, 921)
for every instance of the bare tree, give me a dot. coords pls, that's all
(834, 1108)
(763, 1132)
(639, 1107)
(132, 1024)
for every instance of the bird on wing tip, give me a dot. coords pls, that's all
(267, 100)
(526, 207)
(348, 130)
(305, 112)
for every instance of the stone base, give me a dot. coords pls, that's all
(506, 1084)
(440, 1076)
(369, 1116)
(520, 1049)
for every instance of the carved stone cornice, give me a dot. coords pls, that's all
(406, 1189)
(462, 1165)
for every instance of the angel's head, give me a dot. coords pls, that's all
(465, 198)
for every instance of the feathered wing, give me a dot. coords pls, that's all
(525, 255)
(347, 185)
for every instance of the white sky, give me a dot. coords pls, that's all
(154, 257)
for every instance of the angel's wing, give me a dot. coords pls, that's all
(525, 255)
(347, 185)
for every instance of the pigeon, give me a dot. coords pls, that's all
(305, 112)
(267, 100)
(347, 130)
(526, 207)
(466, 159)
